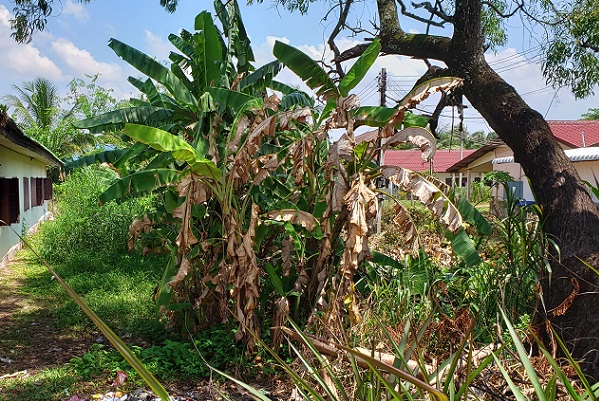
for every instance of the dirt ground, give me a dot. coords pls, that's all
(29, 339)
(30, 342)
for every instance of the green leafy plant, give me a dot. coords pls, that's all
(115, 340)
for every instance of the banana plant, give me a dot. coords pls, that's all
(256, 199)
(351, 170)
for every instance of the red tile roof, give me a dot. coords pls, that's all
(412, 159)
(571, 132)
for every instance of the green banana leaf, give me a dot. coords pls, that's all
(154, 70)
(296, 99)
(307, 69)
(115, 120)
(210, 50)
(181, 44)
(108, 156)
(359, 69)
(261, 78)
(473, 216)
(148, 88)
(135, 184)
(464, 247)
(283, 88)
(166, 142)
(233, 99)
(234, 30)
(378, 116)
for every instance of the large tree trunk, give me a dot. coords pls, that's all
(571, 218)
(571, 290)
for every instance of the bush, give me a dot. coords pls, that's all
(81, 225)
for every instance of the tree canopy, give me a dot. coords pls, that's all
(48, 118)
(31, 16)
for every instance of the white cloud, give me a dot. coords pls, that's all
(22, 62)
(77, 10)
(156, 46)
(80, 61)
(27, 62)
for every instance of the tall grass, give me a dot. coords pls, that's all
(87, 245)
(81, 225)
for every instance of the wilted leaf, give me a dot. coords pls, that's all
(425, 89)
(302, 151)
(278, 319)
(286, 118)
(430, 195)
(420, 137)
(286, 255)
(343, 149)
(362, 206)
(137, 227)
(294, 216)
(407, 227)
(181, 273)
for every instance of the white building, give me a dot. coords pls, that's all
(579, 139)
(25, 189)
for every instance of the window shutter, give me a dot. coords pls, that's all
(47, 188)
(15, 204)
(39, 192)
(9, 200)
(26, 198)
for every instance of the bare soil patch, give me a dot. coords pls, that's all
(29, 338)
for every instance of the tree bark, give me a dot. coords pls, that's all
(571, 289)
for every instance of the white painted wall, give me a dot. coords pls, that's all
(16, 165)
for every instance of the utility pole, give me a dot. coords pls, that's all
(379, 143)
(383, 87)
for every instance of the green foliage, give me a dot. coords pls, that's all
(497, 177)
(453, 139)
(49, 384)
(81, 226)
(480, 192)
(47, 118)
(591, 114)
(170, 360)
(572, 50)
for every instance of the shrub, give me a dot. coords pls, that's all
(81, 224)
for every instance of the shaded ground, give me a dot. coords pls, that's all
(29, 339)
(30, 342)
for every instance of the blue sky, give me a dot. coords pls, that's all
(75, 43)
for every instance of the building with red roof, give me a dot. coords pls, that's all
(579, 139)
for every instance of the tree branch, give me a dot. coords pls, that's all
(590, 46)
(404, 11)
(499, 12)
(343, 13)
(439, 13)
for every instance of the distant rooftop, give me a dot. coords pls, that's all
(576, 134)
(412, 159)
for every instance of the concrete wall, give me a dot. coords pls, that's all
(16, 165)
(587, 170)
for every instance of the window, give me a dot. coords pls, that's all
(9, 201)
(47, 188)
(39, 191)
(455, 182)
(26, 199)
(32, 192)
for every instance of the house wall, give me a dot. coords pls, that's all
(589, 171)
(16, 165)
(586, 170)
